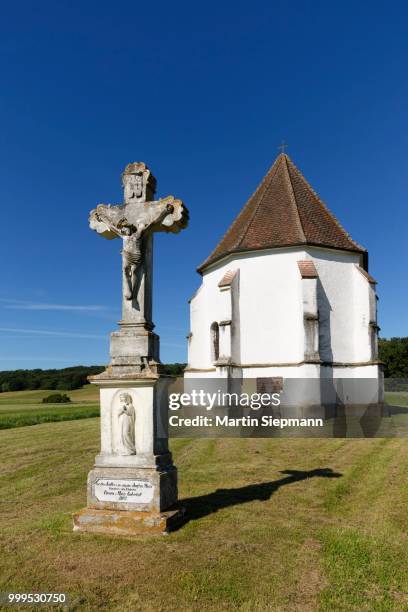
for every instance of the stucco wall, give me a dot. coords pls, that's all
(338, 304)
(270, 309)
(270, 299)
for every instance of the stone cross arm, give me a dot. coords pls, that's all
(165, 215)
(134, 222)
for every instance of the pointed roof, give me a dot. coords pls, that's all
(283, 211)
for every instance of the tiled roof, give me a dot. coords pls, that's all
(227, 278)
(283, 211)
(307, 268)
(366, 275)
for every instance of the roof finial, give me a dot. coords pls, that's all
(283, 146)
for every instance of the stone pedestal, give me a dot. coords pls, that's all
(131, 494)
(130, 342)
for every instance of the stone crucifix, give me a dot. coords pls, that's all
(132, 488)
(135, 221)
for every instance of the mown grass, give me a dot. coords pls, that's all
(282, 524)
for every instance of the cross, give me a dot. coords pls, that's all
(135, 221)
(283, 146)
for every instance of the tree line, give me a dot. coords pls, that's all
(64, 379)
(393, 352)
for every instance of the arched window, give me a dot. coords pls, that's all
(215, 341)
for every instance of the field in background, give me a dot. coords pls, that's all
(397, 398)
(21, 408)
(273, 524)
(88, 393)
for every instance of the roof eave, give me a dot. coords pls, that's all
(200, 269)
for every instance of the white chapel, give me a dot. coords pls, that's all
(286, 292)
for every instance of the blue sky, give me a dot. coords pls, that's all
(203, 93)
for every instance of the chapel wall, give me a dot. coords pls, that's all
(264, 305)
(338, 302)
(268, 314)
(271, 311)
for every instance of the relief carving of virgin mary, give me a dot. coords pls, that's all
(126, 418)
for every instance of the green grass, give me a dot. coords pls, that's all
(22, 408)
(87, 393)
(54, 412)
(396, 398)
(284, 524)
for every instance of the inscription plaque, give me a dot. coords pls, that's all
(126, 490)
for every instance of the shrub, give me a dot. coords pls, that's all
(56, 398)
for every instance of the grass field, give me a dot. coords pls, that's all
(21, 408)
(397, 398)
(273, 525)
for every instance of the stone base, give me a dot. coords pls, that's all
(155, 491)
(126, 523)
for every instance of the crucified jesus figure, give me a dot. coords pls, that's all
(132, 235)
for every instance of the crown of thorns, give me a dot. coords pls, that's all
(125, 223)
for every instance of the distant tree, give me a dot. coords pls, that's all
(32, 383)
(174, 369)
(16, 384)
(49, 383)
(78, 380)
(394, 353)
(62, 380)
